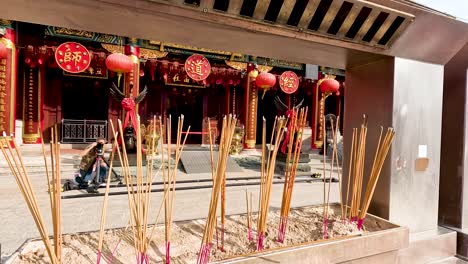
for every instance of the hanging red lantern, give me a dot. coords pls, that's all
(119, 63)
(265, 81)
(329, 85)
(3, 51)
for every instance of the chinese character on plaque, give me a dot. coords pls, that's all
(197, 67)
(289, 82)
(72, 57)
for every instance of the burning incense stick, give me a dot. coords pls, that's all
(227, 132)
(327, 204)
(105, 202)
(296, 124)
(267, 175)
(57, 190)
(381, 153)
(324, 144)
(358, 170)
(335, 156)
(17, 168)
(351, 159)
(171, 178)
(139, 195)
(249, 214)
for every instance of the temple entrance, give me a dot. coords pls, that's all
(182, 101)
(85, 98)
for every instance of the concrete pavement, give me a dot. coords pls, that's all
(83, 214)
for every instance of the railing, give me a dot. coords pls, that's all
(83, 131)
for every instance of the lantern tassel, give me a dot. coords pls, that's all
(264, 92)
(119, 75)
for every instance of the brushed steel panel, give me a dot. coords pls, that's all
(330, 16)
(414, 194)
(285, 11)
(367, 24)
(349, 20)
(261, 9)
(309, 12)
(383, 29)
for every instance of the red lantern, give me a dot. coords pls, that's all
(119, 63)
(329, 85)
(265, 81)
(3, 51)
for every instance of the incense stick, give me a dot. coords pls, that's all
(350, 170)
(139, 195)
(338, 168)
(249, 214)
(265, 192)
(381, 153)
(324, 145)
(17, 168)
(227, 133)
(105, 202)
(297, 123)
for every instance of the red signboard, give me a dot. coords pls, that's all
(72, 57)
(197, 67)
(289, 82)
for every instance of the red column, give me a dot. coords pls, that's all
(33, 83)
(251, 94)
(8, 66)
(227, 100)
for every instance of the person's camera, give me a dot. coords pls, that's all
(100, 149)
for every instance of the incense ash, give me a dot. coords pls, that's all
(304, 226)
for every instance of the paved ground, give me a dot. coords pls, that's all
(83, 214)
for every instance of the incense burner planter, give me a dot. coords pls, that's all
(378, 243)
(380, 246)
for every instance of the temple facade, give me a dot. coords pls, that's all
(43, 92)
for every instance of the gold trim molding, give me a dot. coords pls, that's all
(113, 48)
(152, 54)
(242, 66)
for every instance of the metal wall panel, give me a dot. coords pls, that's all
(417, 118)
(453, 202)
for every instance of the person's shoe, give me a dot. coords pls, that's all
(92, 189)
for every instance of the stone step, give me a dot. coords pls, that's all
(429, 246)
(451, 260)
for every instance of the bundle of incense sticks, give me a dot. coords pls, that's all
(55, 190)
(335, 130)
(140, 192)
(268, 169)
(326, 194)
(297, 122)
(170, 177)
(383, 147)
(249, 214)
(350, 170)
(13, 156)
(104, 205)
(357, 168)
(227, 132)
